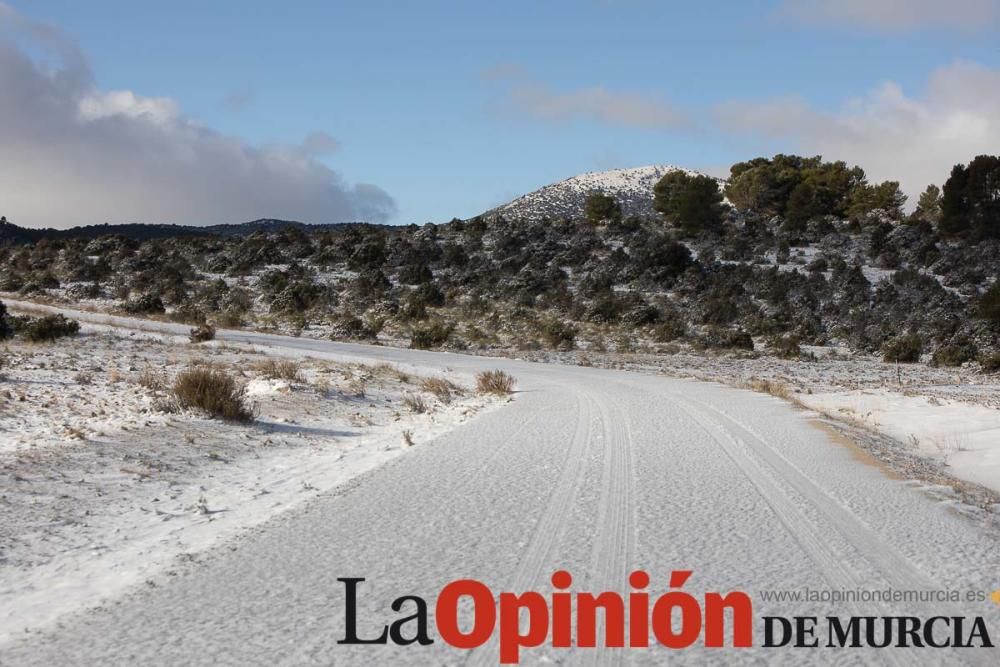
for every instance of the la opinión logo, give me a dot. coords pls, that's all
(674, 619)
(562, 618)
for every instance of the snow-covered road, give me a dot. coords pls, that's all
(596, 472)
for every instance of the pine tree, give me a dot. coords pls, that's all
(929, 204)
(600, 207)
(694, 203)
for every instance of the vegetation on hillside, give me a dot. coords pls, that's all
(805, 252)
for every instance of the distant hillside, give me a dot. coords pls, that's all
(141, 232)
(633, 188)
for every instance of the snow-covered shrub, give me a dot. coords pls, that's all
(47, 328)
(348, 327)
(145, 304)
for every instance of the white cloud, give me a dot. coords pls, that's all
(73, 154)
(596, 104)
(896, 15)
(915, 140)
(97, 105)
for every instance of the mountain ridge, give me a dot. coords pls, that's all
(141, 231)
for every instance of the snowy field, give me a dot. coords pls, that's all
(104, 487)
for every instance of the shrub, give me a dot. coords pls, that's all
(719, 337)
(955, 354)
(6, 330)
(214, 391)
(669, 331)
(48, 328)
(495, 382)
(903, 349)
(202, 333)
(147, 304)
(559, 335)
(350, 327)
(785, 347)
(87, 291)
(988, 307)
(990, 363)
(433, 334)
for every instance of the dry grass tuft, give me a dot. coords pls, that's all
(769, 386)
(442, 389)
(284, 369)
(214, 391)
(415, 403)
(495, 382)
(152, 380)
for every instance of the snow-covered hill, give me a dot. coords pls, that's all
(633, 188)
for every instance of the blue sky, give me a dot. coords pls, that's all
(452, 107)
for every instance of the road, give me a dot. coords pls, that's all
(597, 472)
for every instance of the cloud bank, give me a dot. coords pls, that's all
(896, 15)
(72, 154)
(915, 140)
(595, 103)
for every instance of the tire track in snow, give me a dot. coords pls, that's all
(612, 553)
(539, 552)
(806, 533)
(798, 525)
(895, 568)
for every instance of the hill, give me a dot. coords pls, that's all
(633, 188)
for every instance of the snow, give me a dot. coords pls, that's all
(966, 438)
(595, 471)
(103, 492)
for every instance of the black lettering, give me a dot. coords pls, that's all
(805, 626)
(396, 629)
(351, 616)
(786, 631)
